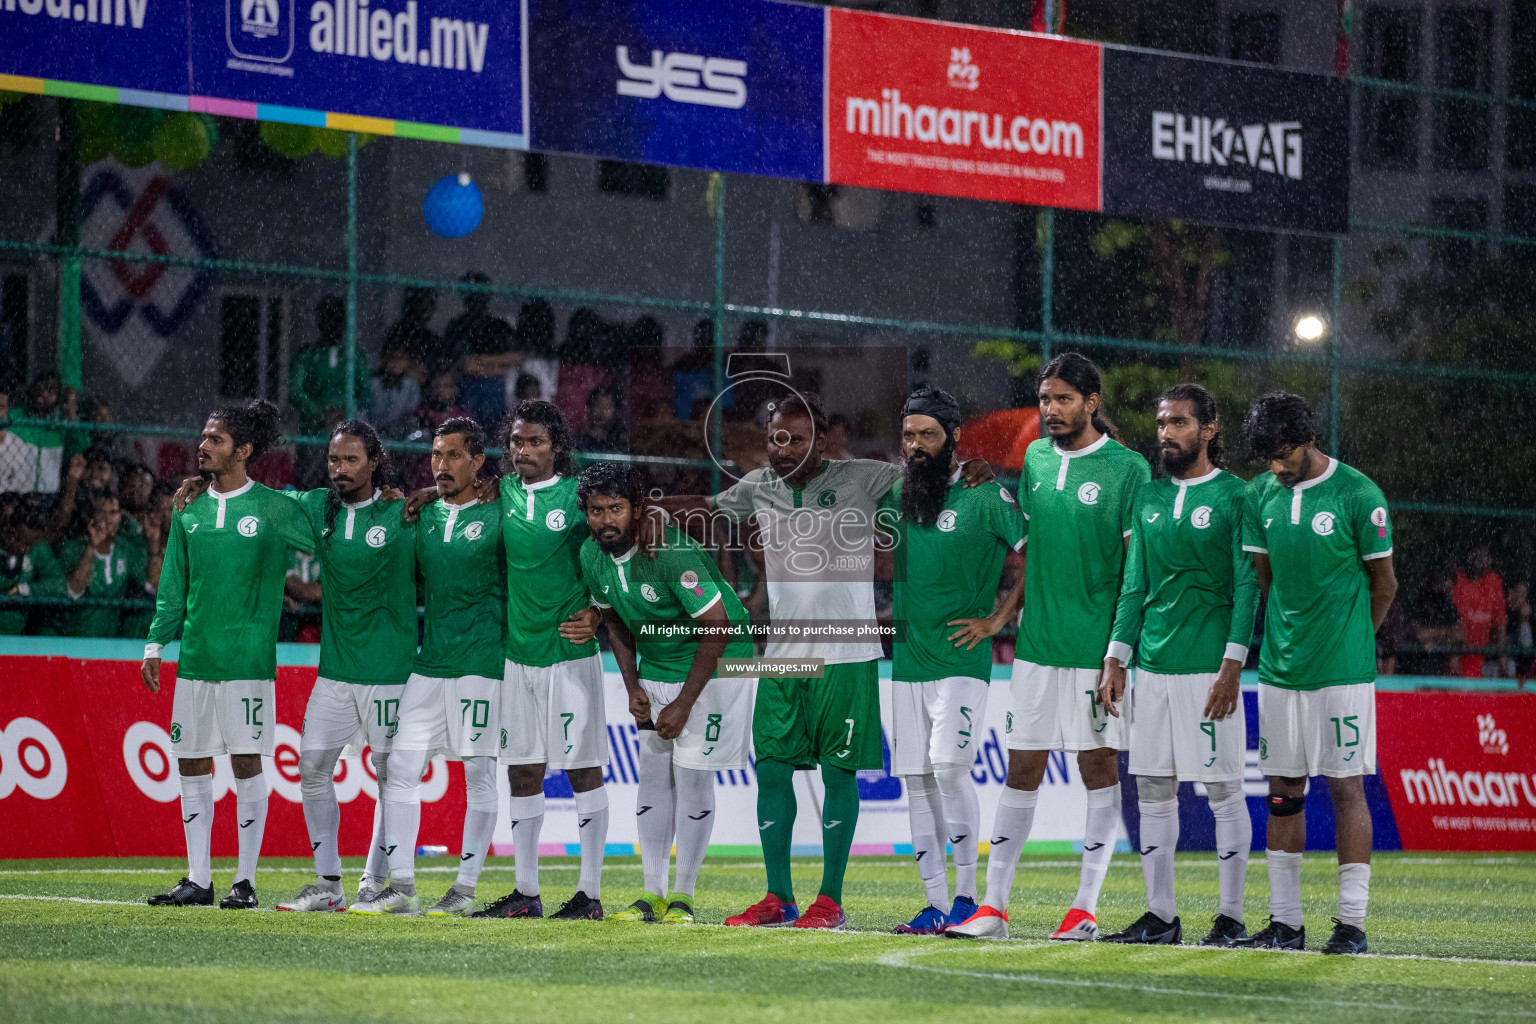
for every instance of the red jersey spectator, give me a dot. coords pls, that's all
(1479, 598)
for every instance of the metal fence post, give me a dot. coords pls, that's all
(351, 362)
(1335, 328)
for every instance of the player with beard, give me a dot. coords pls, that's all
(222, 588)
(1078, 489)
(1321, 539)
(1186, 610)
(816, 518)
(950, 545)
(675, 612)
(451, 699)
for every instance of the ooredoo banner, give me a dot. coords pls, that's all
(725, 86)
(926, 106)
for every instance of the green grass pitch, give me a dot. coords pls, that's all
(1453, 938)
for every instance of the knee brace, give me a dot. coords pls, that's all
(1284, 806)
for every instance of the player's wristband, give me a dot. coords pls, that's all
(1237, 653)
(152, 650)
(1120, 651)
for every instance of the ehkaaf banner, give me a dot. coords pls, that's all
(725, 86)
(126, 44)
(926, 106)
(1225, 143)
(456, 63)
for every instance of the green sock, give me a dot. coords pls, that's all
(838, 819)
(776, 823)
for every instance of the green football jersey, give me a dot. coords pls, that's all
(1190, 592)
(221, 584)
(367, 589)
(116, 575)
(458, 548)
(949, 570)
(1318, 535)
(34, 574)
(657, 598)
(542, 528)
(1080, 507)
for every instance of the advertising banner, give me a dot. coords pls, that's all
(1224, 143)
(456, 63)
(138, 45)
(1460, 769)
(731, 86)
(926, 106)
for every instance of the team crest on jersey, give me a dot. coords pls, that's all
(376, 536)
(1088, 494)
(1200, 518)
(1379, 516)
(556, 519)
(826, 499)
(947, 520)
(247, 526)
(689, 579)
(649, 592)
(1322, 524)
(175, 732)
(472, 531)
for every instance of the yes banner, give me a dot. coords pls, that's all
(722, 86)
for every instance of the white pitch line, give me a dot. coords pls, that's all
(66, 899)
(901, 959)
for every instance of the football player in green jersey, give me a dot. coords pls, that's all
(1186, 610)
(222, 588)
(1321, 539)
(1078, 489)
(950, 543)
(450, 701)
(368, 613)
(552, 713)
(670, 620)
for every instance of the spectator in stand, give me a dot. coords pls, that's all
(529, 388)
(1517, 606)
(602, 431)
(135, 488)
(1436, 626)
(100, 566)
(412, 333)
(28, 567)
(441, 402)
(302, 588)
(1478, 594)
(18, 470)
(148, 528)
(536, 342)
(317, 380)
(396, 390)
(481, 348)
(34, 454)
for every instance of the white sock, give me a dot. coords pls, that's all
(1098, 845)
(962, 820)
(376, 870)
(251, 817)
(197, 824)
(1234, 837)
(322, 814)
(592, 821)
(403, 822)
(1010, 831)
(527, 815)
(695, 822)
(927, 847)
(1354, 893)
(480, 775)
(654, 811)
(1284, 887)
(1159, 838)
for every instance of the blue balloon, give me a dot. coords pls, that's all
(453, 206)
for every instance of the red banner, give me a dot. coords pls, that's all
(925, 106)
(1460, 769)
(86, 769)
